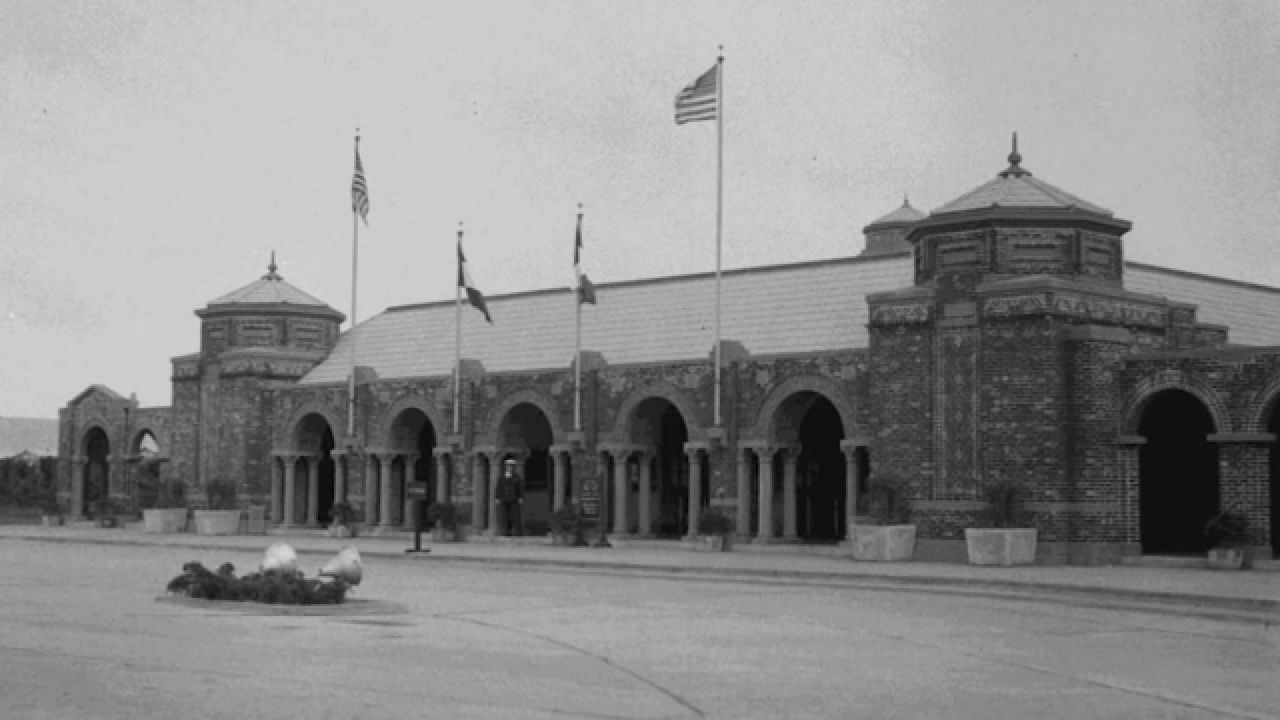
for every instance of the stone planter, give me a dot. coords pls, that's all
(341, 531)
(713, 543)
(164, 520)
(256, 520)
(883, 543)
(1001, 546)
(439, 534)
(50, 520)
(217, 522)
(1227, 558)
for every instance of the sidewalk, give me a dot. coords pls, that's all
(1250, 591)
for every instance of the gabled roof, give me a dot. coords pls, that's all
(778, 309)
(270, 289)
(38, 436)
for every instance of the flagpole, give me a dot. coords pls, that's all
(355, 259)
(719, 213)
(457, 334)
(577, 348)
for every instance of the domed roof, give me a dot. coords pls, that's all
(1016, 188)
(270, 289)
(904, 215)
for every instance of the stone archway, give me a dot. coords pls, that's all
(95, 486)
(1178, 483)
(313, 493)
(525, 434)
(812, 498)
(411, 436)
(658, 427)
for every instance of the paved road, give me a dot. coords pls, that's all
(83, 636)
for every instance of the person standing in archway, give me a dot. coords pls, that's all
(510, 498)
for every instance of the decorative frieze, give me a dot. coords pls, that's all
(900, 314)
(1085, 307)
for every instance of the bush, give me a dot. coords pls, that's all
(1228, 530)
(343, 514)
(1003, 507)
(271, 586)
(221, 495)
(714, 522)
(443, 515)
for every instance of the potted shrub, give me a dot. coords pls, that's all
(344, 521)
(1002, 535)
(885, 533)
(164, 506)
(223, 514)
(714, 527)
(51, 513)
(568, 526)
(443, 519)
(1230, 538)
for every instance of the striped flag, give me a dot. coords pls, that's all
(586, 291)
(474, 296)
(359, 191)
(697, 101)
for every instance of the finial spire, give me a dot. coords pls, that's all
(1015, 168)
(271, 269)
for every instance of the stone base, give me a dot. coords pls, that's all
(217, 522)
(883, 543)
(1001, 546)
(164, 520)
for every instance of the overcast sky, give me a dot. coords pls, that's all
(157, 152)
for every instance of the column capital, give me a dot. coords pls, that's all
(442, 452)
(623, 450)
(693, 448)
(853, 443)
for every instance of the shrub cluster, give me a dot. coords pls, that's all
(272, 586)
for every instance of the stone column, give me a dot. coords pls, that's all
(643, 521)
(77, 488)
(558, 479)
(289, 516)
(765, 519)
(408, 507)
(695, 489)
(313, 490)
(442, 477)
(620, 483)
(277, 488)
(372, 477)
(789, 493)
(491, 496)
(851, 479)
(339, 477)
(743, 519)
(386, 499)
(479, 494)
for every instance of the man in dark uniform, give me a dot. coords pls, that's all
(510, 497)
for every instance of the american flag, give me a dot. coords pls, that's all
(586, 291)
(359, 191)
(697, 101)
(474, 296)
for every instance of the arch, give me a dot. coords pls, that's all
(1178, 474)
(766, 425)
(289, 443)
(524, 396)
(387, 421)
(695, 424)
(87, 428)
(137, 444)
(1261, 406)
(95, 479)
(1137, 399)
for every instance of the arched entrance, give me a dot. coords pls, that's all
(658, 426)
(526, 433)
(413, 437)
(96, 481)
(1178, 477)
(313, 496)
(809, 424)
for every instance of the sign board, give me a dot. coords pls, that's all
(417, 490)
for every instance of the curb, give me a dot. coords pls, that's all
(968, 586)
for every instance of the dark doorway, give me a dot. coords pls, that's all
(325, 490)
(527, 427)
(672, 482)
(1178, 483)
(820, 475)
(97, 479)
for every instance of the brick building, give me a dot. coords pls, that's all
(1002, 337)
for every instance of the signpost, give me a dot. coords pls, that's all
(417, 491)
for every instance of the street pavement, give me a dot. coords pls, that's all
(474, 630)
